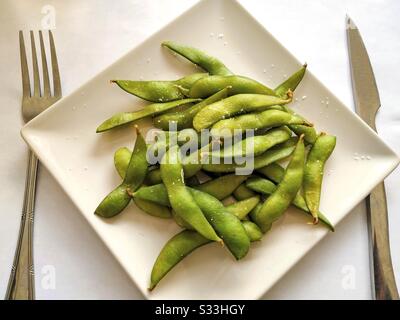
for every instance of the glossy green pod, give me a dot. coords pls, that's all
(243, 207)
(180, 198)
(152, 110)
(118, 199)
(276, 204)
(234, 105)
(184, 119)
(314, 171)
(274, 154)
(222, 187)
(227, 225)
(121, 160)
(275, 173)
(243, 193)
(254, 145)
(211, 64)
(177, 248)
(153, 209)
(160, 91)
(255, 121)
(207, 86)
(253, 231)
(291, 83)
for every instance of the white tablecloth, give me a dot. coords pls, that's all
(89, 36)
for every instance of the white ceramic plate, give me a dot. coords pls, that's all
(64, 139)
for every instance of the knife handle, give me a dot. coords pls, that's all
(384, 286)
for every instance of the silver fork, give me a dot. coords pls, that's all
(21, 284)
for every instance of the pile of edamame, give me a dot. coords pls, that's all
(225, 104)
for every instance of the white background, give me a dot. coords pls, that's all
(89, 36)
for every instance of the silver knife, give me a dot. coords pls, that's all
(366, 99)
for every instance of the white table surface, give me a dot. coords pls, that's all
(89, 36)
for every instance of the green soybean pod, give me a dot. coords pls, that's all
(261, 185)
(180, 222)
(177, 248)
(180, 198)
(277, 153)
(156, 193)
(153, 177)
(255, 145)
(207, 86)
(154, 109)
(182, 244)
(222, 187)
(291, 83)
(211, 64)
(121, 160)
(255, 121)
(153, 209)
(243, 193)
(231, 106)
(253, 231)
(275, 173)
(227, 225)
(276, 204)
(314, 171)
(118, 199)
(184, 119)
(310, 134)
(160, 91)
(243, 207)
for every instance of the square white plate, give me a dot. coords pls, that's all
(64, 139)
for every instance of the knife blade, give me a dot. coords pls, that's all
(367, 103)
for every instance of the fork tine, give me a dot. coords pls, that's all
(54, 64)
(26, 87)
(36, 80)
(46, 81)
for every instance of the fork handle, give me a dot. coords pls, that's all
(384, 283)
(21, 285)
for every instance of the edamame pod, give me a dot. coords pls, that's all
(200, 58)
(242, 208)
(180, 222)
(255, 145)
(118, 199)
(274, 154)
(227, 225)
(310, 134)
(177, 248)
(153, 209)
(253, 231)
(153, 177)
(180, 246)
(222, 187)
(314, 171)
(231, 106)
(291, 83)
(276, 204)
(243, 193)
(260, 185)
(180, 198)
(207, 86)
(156, 193)
(275, 173)
(121, 160)
(184, 119)
(154, 109)
(255, 121)
(160, 91)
